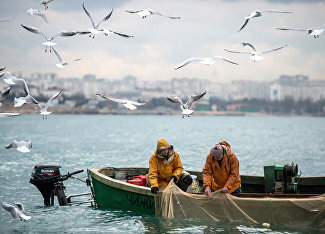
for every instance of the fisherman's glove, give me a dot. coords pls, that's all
(175, 178)
(154, 189)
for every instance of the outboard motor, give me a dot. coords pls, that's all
(49, 181)
(44, 177)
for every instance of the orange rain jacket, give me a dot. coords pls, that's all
(225, 175)
(162, 170)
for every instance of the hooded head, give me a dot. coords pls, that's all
(164, 150)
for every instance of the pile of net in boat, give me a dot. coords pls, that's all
(297, 212)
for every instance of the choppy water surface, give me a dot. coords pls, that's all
(87, 141)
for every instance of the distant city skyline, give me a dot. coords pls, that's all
(205, 29)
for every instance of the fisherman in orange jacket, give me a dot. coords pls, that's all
(221, 170)
(164, 165)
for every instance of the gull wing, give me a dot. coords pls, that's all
(13, 144)
(106, 18)
(65, 33)
(188, 61)
(5, 92)
(292, 29)
(194, 98)
(49, 101)
(129, 105)
(248, 44)
(120, 34)
(112, 99)
(136, 11)
(268, 51)
(224, 59)
(246, 22)
(175, 99)
(274, 11)
(25, 87)
(83, 32)
(87, 13)
(11, 209)
(2, 68)
(8, 114)
(171, 17)
(237, 52)
(32, 99)
(57, 55)
(137, 103)
(33, 30)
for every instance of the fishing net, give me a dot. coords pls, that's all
(297, 212)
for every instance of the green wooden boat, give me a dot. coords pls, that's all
(112, 191)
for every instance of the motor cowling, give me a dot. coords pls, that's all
(44, 177)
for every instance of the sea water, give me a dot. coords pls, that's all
(90, 141)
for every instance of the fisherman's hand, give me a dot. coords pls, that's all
(174, 178)
(225, 189)
(154, 189)
(207, 191)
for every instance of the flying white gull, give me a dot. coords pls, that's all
(4, 93)
(49, 41)
(43, 111)
(21, 146)
(95, 28)
(130, 105)
(3, 115)
(45, 2)
(62, 63)
(146, 12)
(311, 31)
(258, 13)
(11, 80)
(206, 61)
(186, 108)
(22, 100)
(16, 212)
(32, 11)
(255, 55)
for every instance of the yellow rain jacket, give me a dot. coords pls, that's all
(225, 175)
(162, 170)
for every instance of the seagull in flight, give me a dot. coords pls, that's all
(62, 63)
(3, 115)
(22, 100)
(316, 31)
(49, 41)
(206, 61)
(4, 93)
(16, 212)
(146, 12)
(186, 108)
(130, 105)
(32, 11)
(45, 2)
(9, 79)
(259, 13)
(43, 111)
(21, 146)
(95, 28)
(256, 55)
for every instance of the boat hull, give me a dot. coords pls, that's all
(115, 194)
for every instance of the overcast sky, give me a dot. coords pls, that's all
(205, 29)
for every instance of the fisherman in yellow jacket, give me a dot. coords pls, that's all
(164, 165)
(221, 170)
